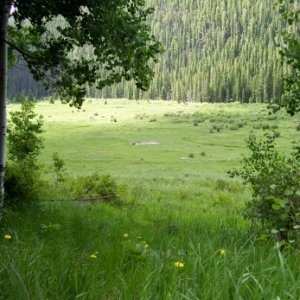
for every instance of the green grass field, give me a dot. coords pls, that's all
(186, 236)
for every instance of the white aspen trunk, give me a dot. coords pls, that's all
(4, 15)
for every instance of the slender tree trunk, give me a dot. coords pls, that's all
(4, 15)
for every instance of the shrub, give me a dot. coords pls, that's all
(22, 185)
(266, 126)
(272, 117)
(23, 134)
(22, 178)
(274, 177)
(258, 126)
(217, 127)
(276, 134)
(59, 167)
(95, 186)
(234, 127)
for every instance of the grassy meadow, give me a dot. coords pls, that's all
(176, 231)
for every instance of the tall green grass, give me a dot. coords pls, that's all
(174, 206)
(49, 256)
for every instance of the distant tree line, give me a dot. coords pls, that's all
(214, 51)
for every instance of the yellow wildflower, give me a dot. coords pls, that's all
(146, 245)
(125, 235)
(179, 264)
(222, 252)
(7, 237)
(93, 256)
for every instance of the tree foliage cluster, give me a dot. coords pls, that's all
(214, 51)
(274, 178)
(50, 35)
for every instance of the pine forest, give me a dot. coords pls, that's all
(215, 51)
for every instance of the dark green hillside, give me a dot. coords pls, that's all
(221, 50)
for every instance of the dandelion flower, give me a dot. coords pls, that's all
(93, 256)
(146, 245)
(7, 237)
(222, 252)
(125, 235)
(179, 264)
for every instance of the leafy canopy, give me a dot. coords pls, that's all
(116, 32)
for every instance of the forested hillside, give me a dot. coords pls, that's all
(221, 50)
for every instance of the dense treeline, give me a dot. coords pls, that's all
(222, 50)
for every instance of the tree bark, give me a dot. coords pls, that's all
(4, 15)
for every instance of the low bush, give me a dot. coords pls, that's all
(217, 127)
(153, 120)
(274, 177)
(95, 186)
(22, 185)
(59, 167)
(234, 127)
(276, 134)
(266, 126)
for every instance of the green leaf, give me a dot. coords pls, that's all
(283, 217)
(276, 207)
(262, 237)
(278, 201)
(274, 231)
(282, 242)
(288, 192)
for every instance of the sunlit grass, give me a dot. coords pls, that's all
(176, 231)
